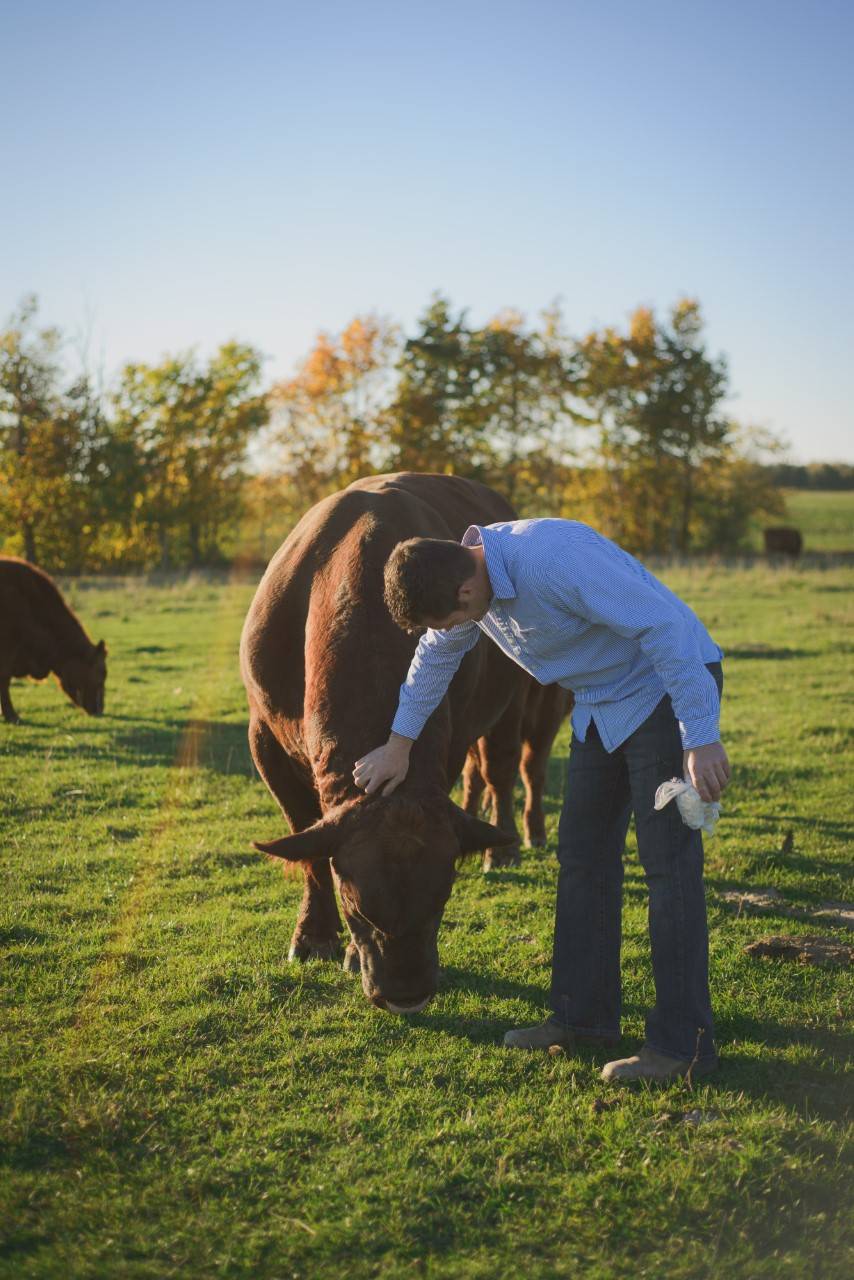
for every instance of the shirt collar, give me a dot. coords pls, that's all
(481, 535)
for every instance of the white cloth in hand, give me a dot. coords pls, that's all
(696, 813)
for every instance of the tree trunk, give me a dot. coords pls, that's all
(29, 542)
(687, 505)
(195, 544)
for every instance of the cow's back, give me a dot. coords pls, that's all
(23, 585)
(448, 502)
(363, 522)
(36, 624)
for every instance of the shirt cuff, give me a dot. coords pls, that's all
(700, 733)
(407, 723)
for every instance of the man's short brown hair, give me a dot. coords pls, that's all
(422, 580)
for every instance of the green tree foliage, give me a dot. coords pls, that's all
(59, 460)
(522, 401)
(664, 446)
(814, 475)
(188, 426)
(433, 418)
(488, 402)
(30, 399)
(735, 492)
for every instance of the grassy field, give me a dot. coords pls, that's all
(825, 518)
(177, 1100)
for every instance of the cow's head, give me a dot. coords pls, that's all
(395, 861)
(83, 678)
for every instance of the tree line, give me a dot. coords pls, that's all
(813, 475)
(191, 462)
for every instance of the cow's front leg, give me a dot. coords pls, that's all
(316, 936)
(318, 923)
(10, 715)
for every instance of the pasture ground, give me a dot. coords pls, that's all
(825, 517)
(177, 1100)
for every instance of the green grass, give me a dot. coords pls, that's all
(825, 518)
(179, 1101)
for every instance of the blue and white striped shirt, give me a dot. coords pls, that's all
(574, 609)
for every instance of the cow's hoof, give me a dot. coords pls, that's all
(498, 859)
(352, 960)
(536, 840)
(305, 948)
(13, 719)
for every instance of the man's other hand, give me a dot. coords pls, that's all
(707, 768)
(384, 767)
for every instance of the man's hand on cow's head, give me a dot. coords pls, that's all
(707, 768)
(384, 767)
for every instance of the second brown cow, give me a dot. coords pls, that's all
(40, 634)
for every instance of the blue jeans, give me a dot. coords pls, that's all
(602, 792)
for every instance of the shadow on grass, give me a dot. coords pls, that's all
(816, 1086)
(209, 744)
(773, 828)
(766, 1031)
(20, 933)
(767, 651)
(490, 987)
(513, 875)
(752, 780)
(760, 872)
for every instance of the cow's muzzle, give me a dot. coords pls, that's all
(391, 1006)
(408, 1008)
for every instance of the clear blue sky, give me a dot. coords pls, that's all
(177, 174)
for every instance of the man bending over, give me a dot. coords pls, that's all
(573, 608)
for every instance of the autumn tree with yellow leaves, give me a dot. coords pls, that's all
(329, 420)
(190, 462)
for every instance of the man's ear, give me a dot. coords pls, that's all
(466, 590)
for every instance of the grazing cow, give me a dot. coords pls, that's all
(783, 541)
(39, 634)
(322, 661)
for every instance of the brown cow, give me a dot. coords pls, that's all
(783, 540)
(39, 634)
(322, 661)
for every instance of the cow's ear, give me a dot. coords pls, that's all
(323, 840)
(474, 834)
(303, 846)
(100, 647)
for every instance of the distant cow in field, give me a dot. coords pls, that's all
(783, 541)
(323, 661)
(39, 634)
